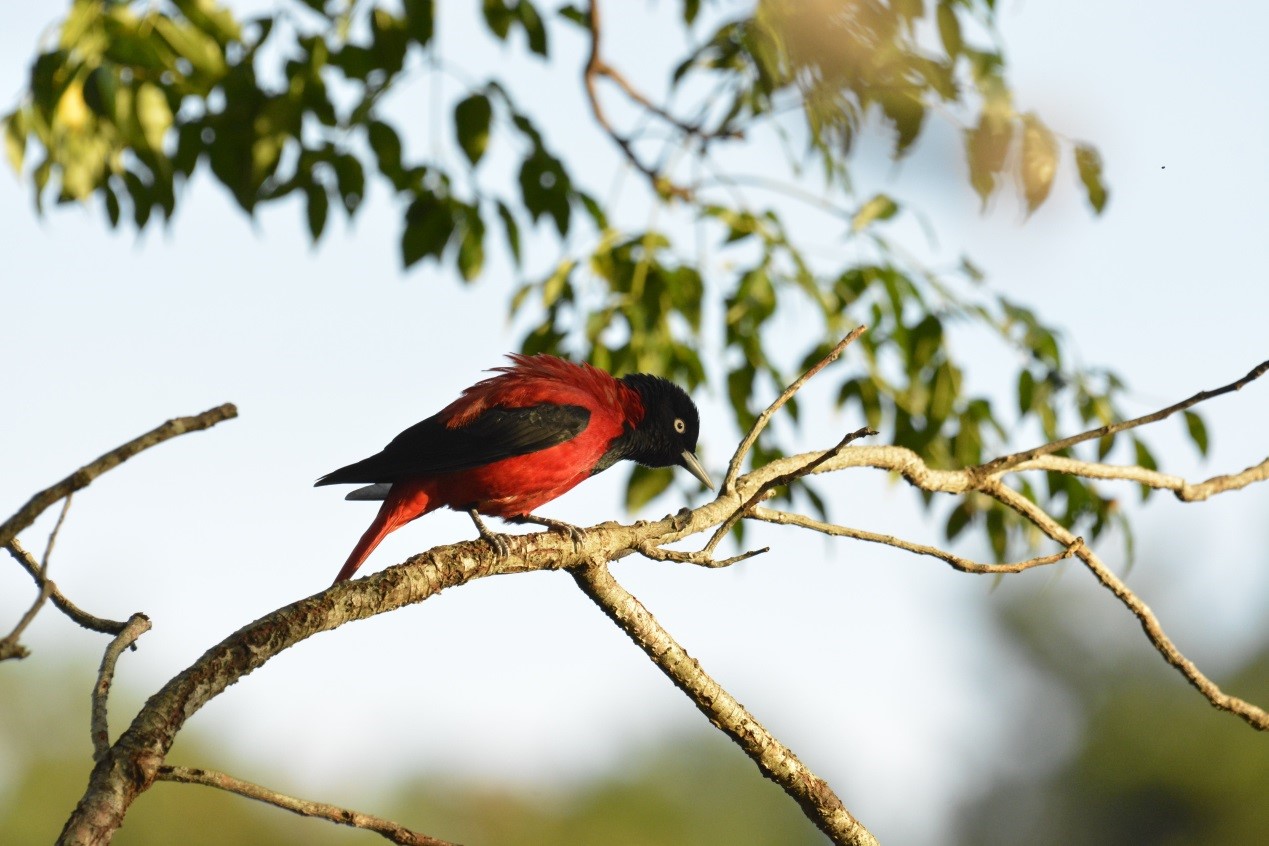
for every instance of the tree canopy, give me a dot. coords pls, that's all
(133, 99)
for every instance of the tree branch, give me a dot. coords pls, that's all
(70, 609)
(595, 68)
(965, 565)
(1255, 716)
(305, 808)
(81, 478)
(1005, 462)
(776, 761)
(137, 625)
(1184, 491)
(738, 457)
(10, 647)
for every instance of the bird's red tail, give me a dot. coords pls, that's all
(404, 503)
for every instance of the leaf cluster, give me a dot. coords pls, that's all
(134, 98)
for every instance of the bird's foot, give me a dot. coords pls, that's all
(501, 547)
(578, 536)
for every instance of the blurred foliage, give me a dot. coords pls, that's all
(687, 791)
(1153, 762)
(133, 98)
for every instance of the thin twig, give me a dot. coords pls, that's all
(738, 458)
(965, 565)
(223, 781)
(783, 479)
(137, 625)
(60, 602)
(10, 647)
(84, 476)
(775, 760)
(1005, 462)
(597, 67)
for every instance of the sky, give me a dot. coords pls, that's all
(886, 674)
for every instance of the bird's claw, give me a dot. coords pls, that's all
(501, 546)
(577, 535)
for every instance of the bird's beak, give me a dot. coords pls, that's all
(694, 467)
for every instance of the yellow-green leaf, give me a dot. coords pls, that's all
(880, 207)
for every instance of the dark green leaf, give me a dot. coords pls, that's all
(420, 20)
(497, 17)
(429, 223)
(958, 520)
(318, 206)
(351, 179)
(472, 117)
(512, 230)
(534, 31)
(1198, 431)
(1026, 392)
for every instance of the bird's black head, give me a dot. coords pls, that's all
(666, 436)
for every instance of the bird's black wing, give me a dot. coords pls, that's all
(431, 447)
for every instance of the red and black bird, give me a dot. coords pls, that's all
(520, 439)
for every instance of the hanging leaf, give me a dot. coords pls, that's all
(1039, 161)
(1089, 163)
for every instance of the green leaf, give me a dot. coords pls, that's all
(15, 139)
(1026, 392)
(1089, 163)
(646, 484)
(471, 125)
(420, 16)
(986, 150)
(997, 532)
(534, 31)
(1198, 431)
(471, 244)
(497, 17)
(512, 230)
(1039, 161)
(880, 207)
(387, 148)
(949, 29)
(351, 179)
(429, 224)
(957, 521)
(906, 111)
(153, 115)
(318, 207)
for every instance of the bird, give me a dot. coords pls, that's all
(519, 439)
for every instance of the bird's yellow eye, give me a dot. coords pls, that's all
(679, 425)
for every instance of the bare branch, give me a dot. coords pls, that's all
(1184, 491)
(70, 609)
(963, 564)
(999, 465)
(738, 458)
(84, 476)
(776, 761)
(1254, 715)
(223, 781)
(10, 647)
(595, 68)
(137, 625)
(771, 484)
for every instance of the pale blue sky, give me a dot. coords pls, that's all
(885, 673)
